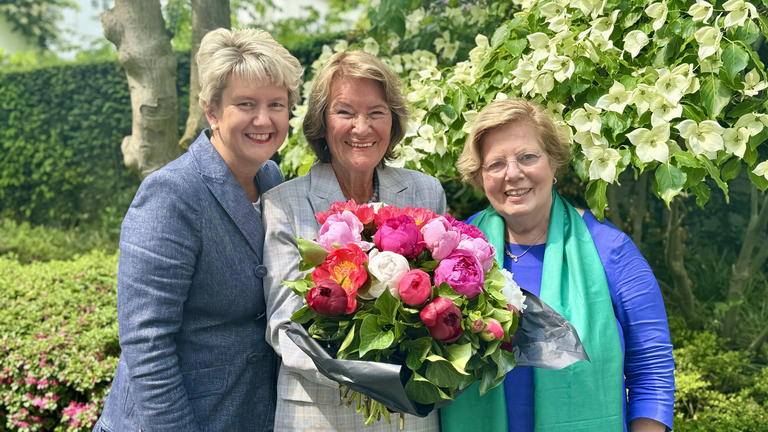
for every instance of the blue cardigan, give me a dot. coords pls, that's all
(640, 316)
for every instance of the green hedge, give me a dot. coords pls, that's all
(60, 131)
(58, 341)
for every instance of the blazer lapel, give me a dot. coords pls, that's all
(324, 187)
(392, 187)
(228, 192)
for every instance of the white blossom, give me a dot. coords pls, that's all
(482, 48)
(430, 141)
(751, 122)
(752, 83)
(709, 41)
(634, 41)
(616, 99)
(701, 11)
(603, 164)
(735, 141)
(469, 120)
(739, 12)
(413, 22)
(642, 96)
(671, 86)
(657, 12)
(761, 169)
(371, 46)
(561, 66)
(662, 111)
(587, 140)
(586, 119)
(705, 137)
(651, 144)
(541, 46)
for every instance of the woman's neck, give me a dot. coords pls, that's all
(355, 185)
(242, 172)
(527, 231)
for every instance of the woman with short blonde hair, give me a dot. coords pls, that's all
(190, 298)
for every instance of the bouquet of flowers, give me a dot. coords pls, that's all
(417, 297)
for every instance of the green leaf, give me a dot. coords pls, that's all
(693, 113)
(596, 199)
(759, 181)
(670, 180)
(617, 122)
(735, 59)
(701, 191)
(688, 159)
(505, 361)
(714, 95)
(747, 105)
(419, 389)
(442, 373)
(459, 355)
(499, 36)
(731, 169)
(417, 350)
(580, 165)
(516, 46)
(459, 101)
(715, 174)
(304, 315)
(372, 336)
(694, 176)
(763, 23)
(348, 342)
(387, 305)
(429, 266)
(300, 287)
(490, 380)
(311, 252)
(748, 33)
(445, 290)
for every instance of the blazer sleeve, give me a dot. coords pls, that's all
(281, 256)
(158, 249)
(440, 194)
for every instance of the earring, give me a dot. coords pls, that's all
(554, 181)
(213, 127)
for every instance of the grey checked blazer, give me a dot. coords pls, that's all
(307, 401)
(190, 305)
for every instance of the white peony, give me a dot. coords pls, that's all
(512, 292)
(388, 268)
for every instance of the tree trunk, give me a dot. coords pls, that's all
(675, 263)
(137, 29)
(207, 15)
(639, 208)
(613, 196)
(746, 264)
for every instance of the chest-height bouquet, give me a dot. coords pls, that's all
(407, 308)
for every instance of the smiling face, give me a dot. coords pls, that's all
(521, 197)
(359, 124)
(251, 124)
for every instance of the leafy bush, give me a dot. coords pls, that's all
(58, 341)
(29, 243)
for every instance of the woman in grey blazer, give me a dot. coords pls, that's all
(356, 115)
(191, 309)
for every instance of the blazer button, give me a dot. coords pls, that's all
(253, 358)
(260, 271)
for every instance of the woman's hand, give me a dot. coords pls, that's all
(646, 425)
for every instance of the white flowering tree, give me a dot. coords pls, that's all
(674, 90)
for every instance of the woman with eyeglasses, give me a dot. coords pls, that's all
(589, 272)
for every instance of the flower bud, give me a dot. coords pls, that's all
(327, 298)
(492, 330)
(415, 287)
(443, 319)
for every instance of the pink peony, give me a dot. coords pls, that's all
(415, 287)
(327, 298)
(481, 249)
(399, 235)
(443, 319)
(340, 230)
(462, 271)
(465, 228)
(492, 330)
(440, 237)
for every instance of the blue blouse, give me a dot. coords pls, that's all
(640, 316)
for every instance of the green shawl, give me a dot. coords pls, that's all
(584, 396)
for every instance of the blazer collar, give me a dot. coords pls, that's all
(325, 189)
(224, 186)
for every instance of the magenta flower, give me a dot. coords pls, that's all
(462, 271)
(399, 235)
(465, 229)
(327, 298)
(443, 319)
(440, 237)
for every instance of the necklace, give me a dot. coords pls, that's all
(375, 197)
(517, 257)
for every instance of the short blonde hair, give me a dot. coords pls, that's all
(249, 54)
(501, 113)
(353, 64)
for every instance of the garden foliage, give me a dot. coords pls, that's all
(676, 88)
(58, 341)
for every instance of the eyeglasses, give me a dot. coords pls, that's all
(524, 160)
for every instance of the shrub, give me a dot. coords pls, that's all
(29, 243)
(58, 341)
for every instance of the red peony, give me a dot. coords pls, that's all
(328, 298)
(420, 215)
(363, 212)
(443, 319)
(345, 266)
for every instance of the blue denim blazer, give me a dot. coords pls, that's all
(190, 304)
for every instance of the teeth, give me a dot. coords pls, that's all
(258, 137)
(518, 192)
(360, 145)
